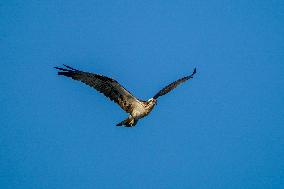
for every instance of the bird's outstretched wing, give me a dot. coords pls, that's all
(173, 85)
(109, 87)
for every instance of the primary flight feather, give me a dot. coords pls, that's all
(136, 108)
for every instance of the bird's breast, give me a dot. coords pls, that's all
(141, 111)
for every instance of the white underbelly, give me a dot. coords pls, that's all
(139, 112)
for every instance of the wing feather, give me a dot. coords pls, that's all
(173, 85)
(108, 86)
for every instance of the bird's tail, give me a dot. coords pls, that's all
(129, 122)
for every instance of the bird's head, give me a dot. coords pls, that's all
(152, 101)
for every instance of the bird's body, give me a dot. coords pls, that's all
(136, 108)
(140, 111)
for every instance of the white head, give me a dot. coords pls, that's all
(152, 101)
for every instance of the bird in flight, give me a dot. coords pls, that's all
(136, 108)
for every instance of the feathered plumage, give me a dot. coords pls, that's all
(173, 85)
(114, 91)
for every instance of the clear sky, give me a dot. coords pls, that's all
(223, 129)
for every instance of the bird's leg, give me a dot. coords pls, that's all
(131, 121)
(134, 122)
(127, 122)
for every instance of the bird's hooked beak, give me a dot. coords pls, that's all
(153, 100)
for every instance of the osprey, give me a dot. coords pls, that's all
(136, 108)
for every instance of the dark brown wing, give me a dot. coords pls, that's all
(173, 85)
(109, 87)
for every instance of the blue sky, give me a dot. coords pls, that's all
(223, 129)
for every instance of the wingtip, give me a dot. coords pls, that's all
(58, 68)
(69, 67)
(194, 72)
